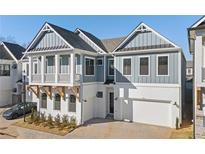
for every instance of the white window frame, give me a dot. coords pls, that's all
(85, 65)
(123, 65)
(162, 55)
(35, 63)
(109, 59)
(97, 61)
(54, 95)
(148, 65)
(46, 64)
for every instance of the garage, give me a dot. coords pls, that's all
(155, 112)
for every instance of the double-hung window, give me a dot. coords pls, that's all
(89, 66)
(126, 66)
(72, 103)
(57, 102)
(4, 70)
(144, 66)
(43, 100)
(64, 64)
(163, 65)
(50, 64)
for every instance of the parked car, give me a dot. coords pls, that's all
(18, 110)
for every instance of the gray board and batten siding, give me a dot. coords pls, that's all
(172, 78)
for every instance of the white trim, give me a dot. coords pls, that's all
(150, 84)
(148, 65)
(90, 40)
(42, 30)
(161, 50)
(162, 55)
(97, 61)
(149, 28)
(10, 53)
(86, 57)
(198, 22)
(109, 59)
(123, 65)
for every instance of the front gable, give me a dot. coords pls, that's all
(48, 39)
(142, 38)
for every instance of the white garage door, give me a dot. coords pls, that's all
(150, 112)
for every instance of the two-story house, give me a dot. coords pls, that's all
(10, 73)
(137, 78)
(196, 36)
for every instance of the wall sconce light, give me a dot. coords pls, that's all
(84, 100)
(116, 98)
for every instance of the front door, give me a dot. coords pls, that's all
(111, 102)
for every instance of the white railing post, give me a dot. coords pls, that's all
(72, 68)
(30, 68)
(56, 67)
(81, 68)
(42, 68)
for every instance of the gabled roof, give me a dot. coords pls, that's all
(143, 27)
(15, 50)
(199, 22)
(73, 39)
(93, 38)
(70, 38)
(111, 44)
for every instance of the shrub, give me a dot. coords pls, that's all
(73, 122)
(57, 120)
(43, 117)
(50, 121)
(65, 122)
(37, 118)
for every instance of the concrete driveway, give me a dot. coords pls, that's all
(93, 129)
(105, 128)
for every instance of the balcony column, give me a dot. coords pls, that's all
(42, 68)
(30, 68)
(72, 68)
(56, 67)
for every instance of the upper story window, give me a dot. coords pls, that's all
(35, 68)
(111, 67)
(99, 62)
(144, 65)
(50, 64)
(89, 66)
(163, 65)
(126, 66)
(189, 71)
(4, 70)
(64, 64)
(27, 69)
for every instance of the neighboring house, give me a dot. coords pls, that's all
(10, 73)
(196, 35)
(138, 78)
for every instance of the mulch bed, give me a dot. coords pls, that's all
(42, 128)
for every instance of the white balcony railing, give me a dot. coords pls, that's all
(36, 78)
(49, 78)
(64, 78)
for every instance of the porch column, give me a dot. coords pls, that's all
(30, 68)
(56, 67)
(72, 68)
(42, 68)
(105, 67)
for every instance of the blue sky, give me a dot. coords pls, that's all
(23, 28)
